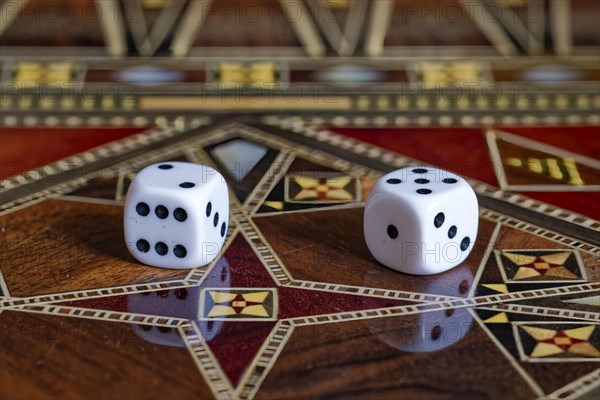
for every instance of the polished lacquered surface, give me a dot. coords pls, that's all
(302, 106)
(295, 306)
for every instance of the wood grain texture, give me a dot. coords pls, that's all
(332, 352)
(331, 241)
(391, 137)
(58, 246)
(53, 357)
(366, 360)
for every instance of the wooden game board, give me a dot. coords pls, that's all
(326, 96)
(81, 318)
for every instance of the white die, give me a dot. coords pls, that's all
(421, 220)
(176, 215)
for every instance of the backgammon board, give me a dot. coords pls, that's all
(295, 306)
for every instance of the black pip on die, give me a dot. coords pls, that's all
(176, 215)
(421, 220)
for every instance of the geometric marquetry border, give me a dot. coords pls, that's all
(365, 150)
(158, 129)
(302, 125)
(268, 354)
(90, 158)
(257, 242)
(427, 119)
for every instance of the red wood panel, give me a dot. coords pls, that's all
(464, 150)
(577, 139)
(22, 149)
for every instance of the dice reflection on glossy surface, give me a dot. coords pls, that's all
(426, 332)
(183, 303)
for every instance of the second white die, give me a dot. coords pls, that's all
(421, 220)
(176, 215)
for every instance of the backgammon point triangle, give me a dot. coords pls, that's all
(529, 165)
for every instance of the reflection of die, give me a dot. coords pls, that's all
(181, 303)
(421, 220)
(176, 215)
(175, 303)
(429, 330)
(161, 335)
(457, 282)
(426, 332)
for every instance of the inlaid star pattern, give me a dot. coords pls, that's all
(234, 345)
(323, 189)
(533, 266)
(243, 296)
(553, 342)
(227, 303)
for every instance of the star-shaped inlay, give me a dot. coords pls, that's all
(338, 188)
(296, 301)
(552, 342)
(236, 306)
(533, 266)
(239, 303)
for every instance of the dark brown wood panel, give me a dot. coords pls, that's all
(371, 360)
(330, 240)
(54, 357)
(60, 246)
